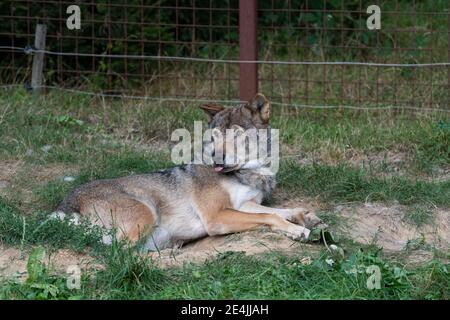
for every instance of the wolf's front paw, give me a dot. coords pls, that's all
(306, 218)
(297, 216)
(313, 221)
(296, 232)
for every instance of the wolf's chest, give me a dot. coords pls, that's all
(240, 193)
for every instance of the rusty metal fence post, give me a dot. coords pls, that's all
(248, 72)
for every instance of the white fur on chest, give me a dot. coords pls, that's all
(240, 193)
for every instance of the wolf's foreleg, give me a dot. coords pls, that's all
(299, 216)
(230, 221)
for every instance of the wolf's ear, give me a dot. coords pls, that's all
(211, 109)
(261, 105)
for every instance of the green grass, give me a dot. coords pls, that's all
(21, 229)
(335, 136)
(80, 129)
(344, 183)
(93, 139)
(77, 128)
(234, 275)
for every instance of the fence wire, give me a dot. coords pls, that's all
(30, 50)
(227, 102)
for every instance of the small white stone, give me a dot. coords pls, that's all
(69, 179)
(107, 239)
(46, 148)
(306, 261)
(58, 215)
(3, 184)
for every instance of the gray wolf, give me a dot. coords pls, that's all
(174, 206)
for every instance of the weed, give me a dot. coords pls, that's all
(419, 216)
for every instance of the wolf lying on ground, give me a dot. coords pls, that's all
(188, 202)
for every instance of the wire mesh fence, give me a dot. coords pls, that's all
(173, 28)
(411, 32)
(321, 53)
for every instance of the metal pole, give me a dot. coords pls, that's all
(248, 72)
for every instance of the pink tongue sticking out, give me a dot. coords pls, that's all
(218, 169)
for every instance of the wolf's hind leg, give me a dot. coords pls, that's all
(230, 221)
(131, 218)
(136, 220)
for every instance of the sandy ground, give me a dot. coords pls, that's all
(252, 242)
(13, 262)
(386, 226)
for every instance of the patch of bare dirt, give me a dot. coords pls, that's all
(250, 242)
(18, 179)
(386, 226)
(394, 158)
(7, 171)
(13, 262)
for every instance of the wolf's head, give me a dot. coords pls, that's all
(234, 129)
